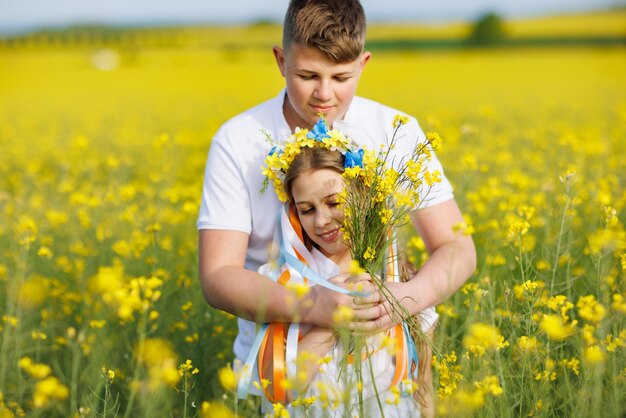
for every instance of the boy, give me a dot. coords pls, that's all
(321, 60)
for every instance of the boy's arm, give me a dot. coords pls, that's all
(452, 261)
(228, 286)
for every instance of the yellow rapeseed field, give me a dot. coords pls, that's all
(102, 154)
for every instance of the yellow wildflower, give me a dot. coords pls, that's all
(573, 364)
(370, 253)
(555, 328)
(36, 370)
(590, 309)
(482, 337)
(526, 343)
(594, 355)
(280, 411)
(48, 389)
(300, 289)
(227, 378)
(434, 139)
(355, 268)
(619, 304)
(342, 315)
(400, 120)
(215, 410)
(33, 292)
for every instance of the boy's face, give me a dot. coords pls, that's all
(316, 84)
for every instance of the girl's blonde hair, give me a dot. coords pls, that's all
(309, 159)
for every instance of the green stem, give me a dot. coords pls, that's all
(74, 381)
(186, 395)
(106, 398)
(520, 254)
(358, 365)
(141, 331)
(558, 244)
(380, 405)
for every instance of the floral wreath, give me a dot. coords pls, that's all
(281, 156)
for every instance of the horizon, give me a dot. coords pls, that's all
(25, 17)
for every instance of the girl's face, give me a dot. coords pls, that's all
(315, 197)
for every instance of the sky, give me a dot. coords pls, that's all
(20, 15)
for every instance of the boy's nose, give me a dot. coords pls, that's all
(323, 91)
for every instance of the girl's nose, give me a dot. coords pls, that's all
(322, 219)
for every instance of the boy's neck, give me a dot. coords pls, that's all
(294, 120)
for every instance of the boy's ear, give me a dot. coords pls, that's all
(365, 57)
(279, 55)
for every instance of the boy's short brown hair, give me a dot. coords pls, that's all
(334, 27)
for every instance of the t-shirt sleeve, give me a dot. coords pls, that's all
(225, 201)
(407, 138)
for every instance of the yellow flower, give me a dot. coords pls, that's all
(463, 228)
(47, 389)
(432, 177)
(352, 172)
(619, 305)
(594, 355)
(227, 378)
(400, 120)
(264, 384)
(590, 309)
(526, 343)
(33, 292)
(215, 410)
(434, 139)
(483, 336)
(300, 289)
(555, 328)
(342, 315)
(280, 411)
(109, 374)
(97, 323)
(573, 364)
(385, 215)
(45, 252)
(491, 385)
(355, 268)
(36, 370)
(38, 335)
(369, 254)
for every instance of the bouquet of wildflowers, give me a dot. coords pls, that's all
(378, 197)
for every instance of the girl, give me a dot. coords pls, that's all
(310, 227)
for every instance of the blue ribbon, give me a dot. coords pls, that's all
(243, 387)
(413, 358)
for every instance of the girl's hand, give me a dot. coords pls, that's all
(326, 308)
(376, 314)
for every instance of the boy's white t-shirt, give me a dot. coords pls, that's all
(231, 194)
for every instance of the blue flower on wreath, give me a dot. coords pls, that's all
(354, 159)
(319, 131)
(275, 150)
